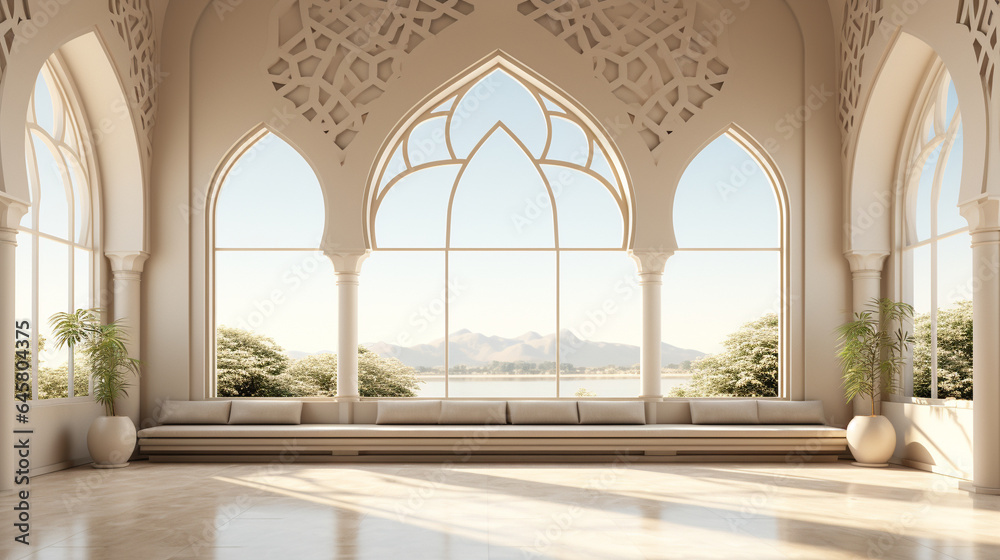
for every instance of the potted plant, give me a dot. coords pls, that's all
(872, 353)
(111, 438)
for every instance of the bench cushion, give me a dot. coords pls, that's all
(473, 412)
(195, 412)
(266, 412)
(408, 412)
(543, 412)
(790, 412)
(724, 412)
(612, 412)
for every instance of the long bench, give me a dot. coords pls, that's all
(475, 431)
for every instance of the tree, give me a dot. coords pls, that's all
(316, 375)
(748, 367)
(250, 365)
(954, 353)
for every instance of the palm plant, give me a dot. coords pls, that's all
(103, 345)
(872, 354)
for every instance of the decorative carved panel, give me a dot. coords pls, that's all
(332, 58)
(650, 53)
(982, 17)
(133, 19)
(861, 19)
(12, 13)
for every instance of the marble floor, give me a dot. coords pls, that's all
(401, 512)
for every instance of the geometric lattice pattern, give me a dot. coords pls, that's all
(861, 19)
(133, 19)
(12, 13)
(334, 57)
(982, 17)
(650, 53)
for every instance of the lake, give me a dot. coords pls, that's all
(505, 386)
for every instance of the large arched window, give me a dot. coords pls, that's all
(723, 292)
(936, 263)
(274, 290)
(499, 224)
(55, 247)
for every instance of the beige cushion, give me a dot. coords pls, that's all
(473, 412)
(612, 412)
(790, 412)
(543, 412)
(408, 412)
(266, 412)
(724, 412)
(195, 412)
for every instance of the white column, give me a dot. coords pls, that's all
(10, 216)
(347, 265)
(126, 268)
(866, 284)
(984, 222)
(650, 265)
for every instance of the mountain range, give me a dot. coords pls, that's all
(475, 349)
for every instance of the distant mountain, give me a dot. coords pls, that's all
(474, 349)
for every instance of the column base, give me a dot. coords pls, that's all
(973, 489)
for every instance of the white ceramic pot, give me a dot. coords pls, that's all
(872, 439)
(111, 440)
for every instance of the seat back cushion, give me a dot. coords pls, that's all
(543, 412)
(266, 412)
(195, 412)
(473, 412)
(612, 412)
(408, 412)
(790, 412)
(724, 412)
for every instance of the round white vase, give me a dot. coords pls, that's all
(111, 440)
(871, 439)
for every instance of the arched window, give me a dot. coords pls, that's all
(723, 293)
(55, 254)
(936, 247)
(274, 294)
(499, 225)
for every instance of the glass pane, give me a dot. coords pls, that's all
(271, 198)
(395, 166)
(402, 302)
(724, 199)
(81, 204)
(589, 215)
(53, 297)
(502, 339)
(427, 142)
(501, 200)
(53, 206)
(414, 212)
(498, 97)
(23, 297)
(725, 304)
(29, 158)
(82, 279)
(569, 142)
(922, 348)
(44, 108)
(924, 191)
(949, 217)
(600, 307)
(954, 321)
(601, 166)
(289, 297)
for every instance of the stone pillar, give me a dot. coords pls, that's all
(650, 266)
(984, 223)
(347, 266)
(126, 268)
(10, 216)
(866, 284)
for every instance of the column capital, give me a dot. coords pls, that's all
(983, 215)
(650, 261)
(346, 261)
(124, 262)
(11, 212)
(866, 262)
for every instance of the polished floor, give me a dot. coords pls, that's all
(401, 512)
